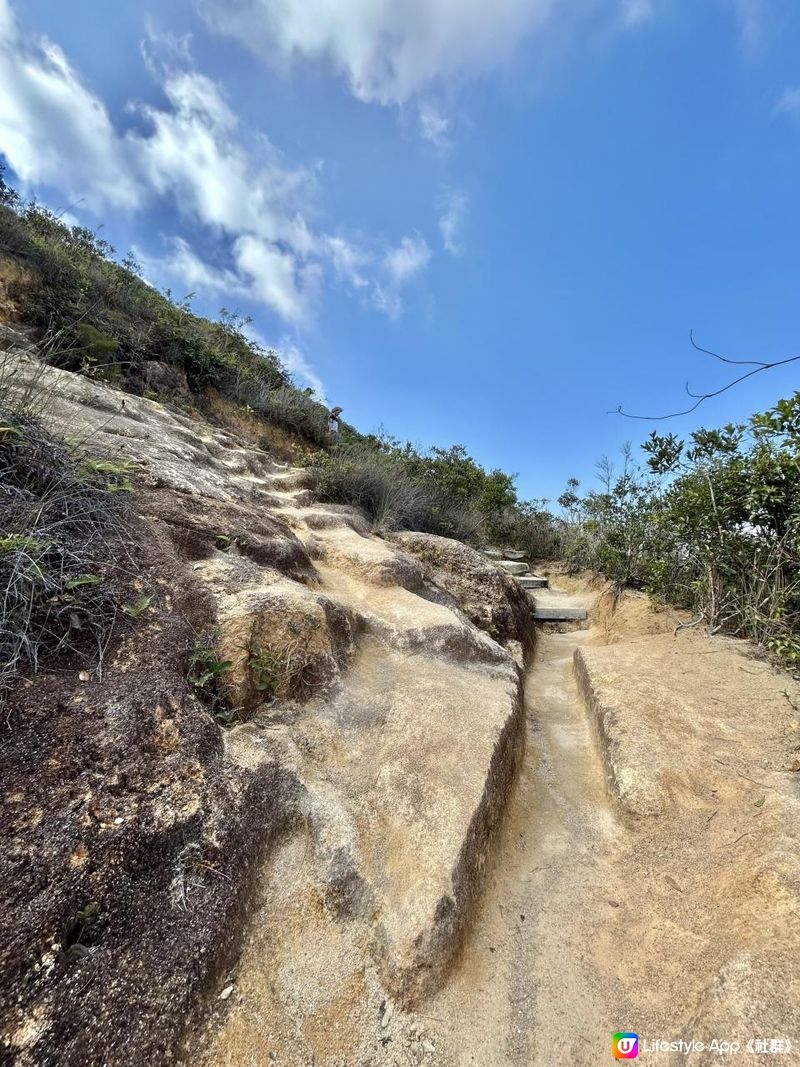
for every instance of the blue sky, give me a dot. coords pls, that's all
(464, 222)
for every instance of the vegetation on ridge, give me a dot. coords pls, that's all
(101, 318)
(61, 539)
(711, 524)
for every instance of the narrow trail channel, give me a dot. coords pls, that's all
(591, 919)
(526, 987)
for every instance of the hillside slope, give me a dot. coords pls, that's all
(371, 719)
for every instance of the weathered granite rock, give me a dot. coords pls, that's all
(384, 726)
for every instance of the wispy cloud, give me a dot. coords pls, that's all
(751, 21)
(389, 52)
(295, 361)
(789, 102)
(408, 259)
(292, 357)
(53, 130)
(228, 184)
(637, 12)
(400, 266)
(434, 126)
(452, 209)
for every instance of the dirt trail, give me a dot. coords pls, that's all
(592, 919)
(527, 988)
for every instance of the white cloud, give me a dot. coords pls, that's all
(192, 153)
(452, 209)
(53, 130)
(789, 103)
(232, 184)
(751, 21)
(273, 275)
(407, 259)
(400, 265)
(388, 51)
(349, 261)
(637, 12)
(181, 263)
(433, 125)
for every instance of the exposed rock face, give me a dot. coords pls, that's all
(486, 595)
(15, 281)
(165, 380)
(383, 727)
(130, 844)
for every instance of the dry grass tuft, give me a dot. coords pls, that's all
(61, 536)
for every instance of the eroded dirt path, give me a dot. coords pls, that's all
(592, 918)
(529, 964)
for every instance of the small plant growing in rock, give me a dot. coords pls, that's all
(118, 473)
(266, 669)
(204, 675)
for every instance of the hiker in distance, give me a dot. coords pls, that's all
(333, 425)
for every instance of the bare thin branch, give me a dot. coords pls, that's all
(700, 398)
(724, 359)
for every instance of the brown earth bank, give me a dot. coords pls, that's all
(420, 838)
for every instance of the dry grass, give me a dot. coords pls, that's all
(61, 541)
(284, 444)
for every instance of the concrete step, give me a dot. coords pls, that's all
(556, 613)
(512, 566)
(533, 581)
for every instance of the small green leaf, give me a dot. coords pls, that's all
(83, 579)
(759, 803)
(138, 607)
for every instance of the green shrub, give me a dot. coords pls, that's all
(101, 318)
(62, 530)
(205, 676)
(380, 485)
(295, 411)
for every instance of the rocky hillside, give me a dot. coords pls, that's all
(280, 675)
(287, 791)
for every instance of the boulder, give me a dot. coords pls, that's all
(486, 595)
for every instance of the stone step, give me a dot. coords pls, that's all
(533, 581)
(492, 553)
(556, 613)
(512, 566)
(515, 554)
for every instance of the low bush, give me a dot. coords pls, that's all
(380, 485)
(296, 412)
(61, 533)
(711, 524)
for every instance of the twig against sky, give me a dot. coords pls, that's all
(700, 398)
